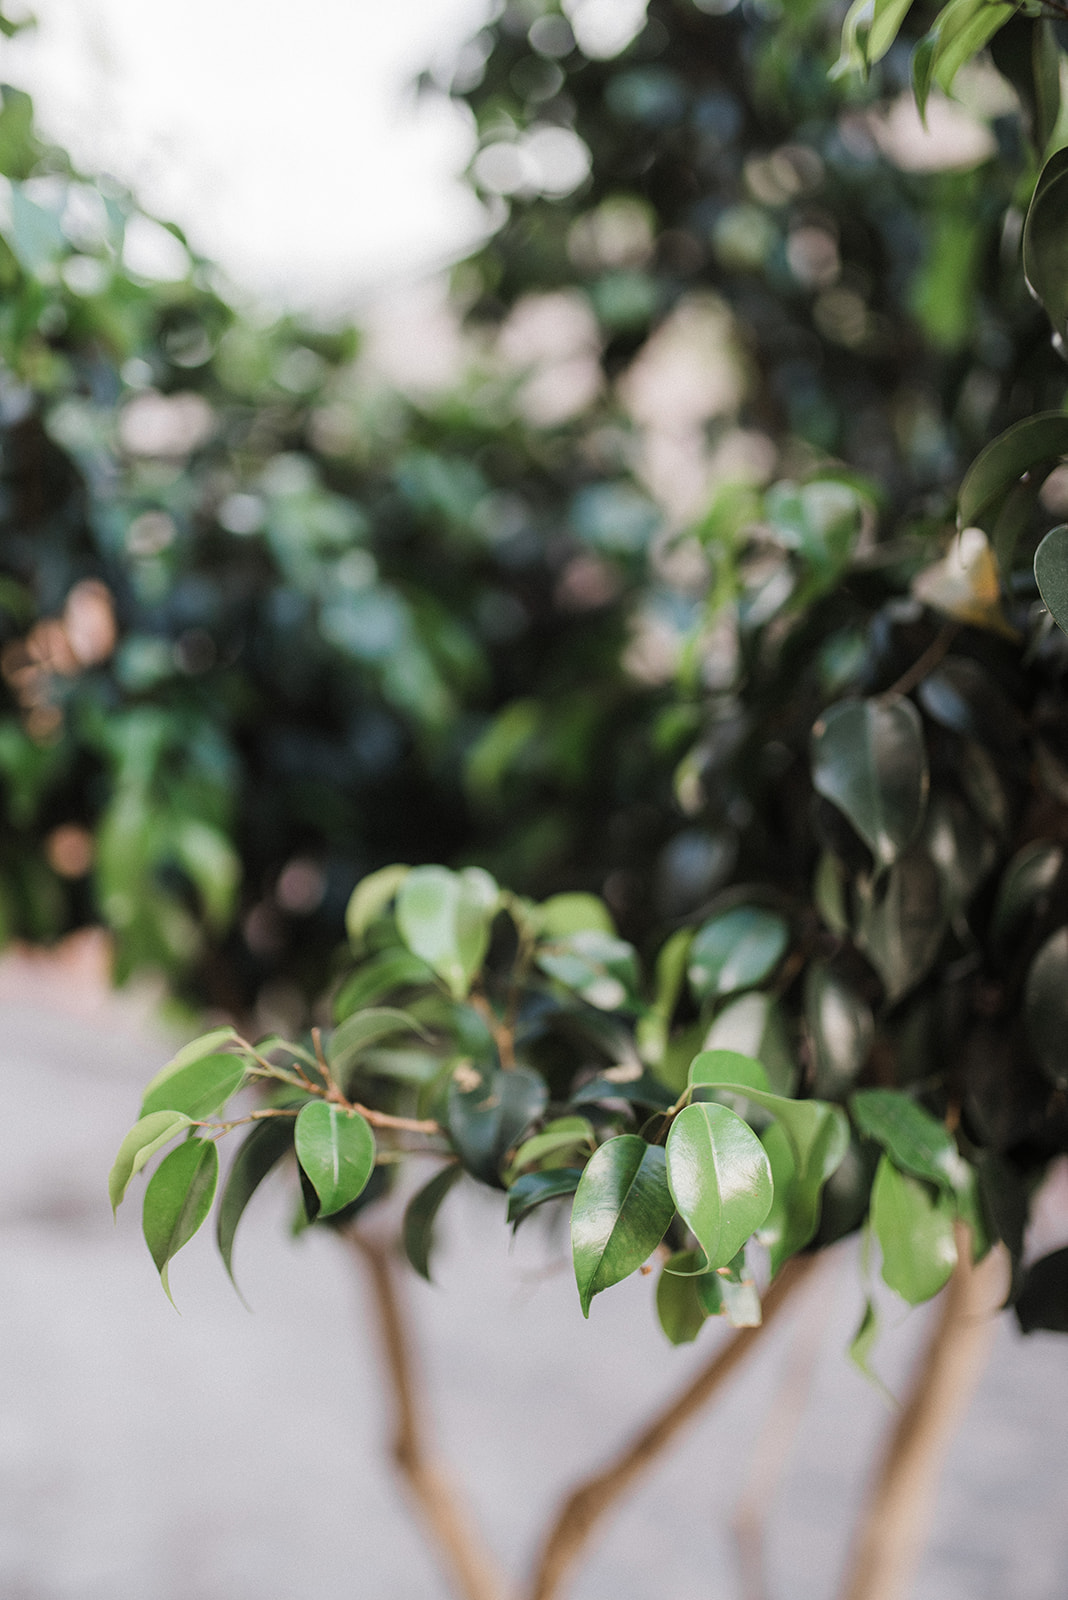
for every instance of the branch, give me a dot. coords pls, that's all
(893, 1527)
(470, 1565)
(925, 664)
(586, 1505)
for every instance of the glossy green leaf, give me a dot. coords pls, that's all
(444, 918)
(1024, 889)
(1045, 251)
(199, 1089)
(559, 1138)
(369, 899)
(420, 1215)
(841, 1028)
(718, 1067)
(1051, 574)
(915, 1141)
(264, 1146)
(753, 1026)
(869, 760)
(1031, 446)
(564, 914)
(720, 1179)
(177, 1200)
(1046, 1008)
(336, 1149)
(206, 1045)
(678, 1303)
(147, 1136)
(533, 1189)
(902, 922)
(601, 969)
(736, 950)
(621, 1212)
(914, 1226)
(363, 1030)
(488, 1113)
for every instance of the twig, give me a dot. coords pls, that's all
(586, 1505)
(772, 1449)
(469, 1563)
(923, 665)
(503, 1035)
(892, 1530)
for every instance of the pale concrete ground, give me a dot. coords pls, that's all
(226, 1456)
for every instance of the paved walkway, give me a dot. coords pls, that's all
(226, 1456)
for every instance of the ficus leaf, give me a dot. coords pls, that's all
(336, 1149)
(1045, 253)
(369, 899)
(621, 1212)
(177, 1200)
(720, 1179)
(207, 1044)
(1030, 447)
(533, 1189)
(444, 918)
(147, 1136)
(736, 950)
(914, 1226)
(489, 1110)
(869, 760)
(1046, 1007)
(198, 1088)
(367, 1028)
(1051, 574)
(915, 1141)
(678, 1303)
(264, 1146)
(420, 1215)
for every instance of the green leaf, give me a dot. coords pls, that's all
(1043, 1301)
(177, 1200)
(1032, 446)
(869, 760)
(369, 899)
(199, 1088)
(678, 1304)
(336, 1149)
(561, 1137)
(785, 1229)
(1051, 574)
(396, 969)
(1045, 253)
(206, 1045)
(913, 1139)
(364, 1029)
(841, 1028)
(862, 1345)
(213, 865)
(147, 1136)
(914, 1227)
(444, 918)
(488, 1113)
(902, 922)
(654, 1028)
(601, 969)
(564, 914)
(621, 1212)
(534, 1188)
(753, 1026)
(736, 950)
(728, 1067)
(1046, 1008)
(720, 1179)
(420, 1215)
(1024, 888)
(264, 1146)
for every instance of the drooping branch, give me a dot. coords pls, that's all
(590, 1502)
(469, 1563)
(893, 1526)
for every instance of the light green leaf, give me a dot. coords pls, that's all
(147, 1136)
(444, 918)
(367, 1028)
(914, 1227)
(420, 1215)
(621, 1212)
(336, 1149)
(177, 1200)
(678, 1304)
(862, 1345)
(869, 760)
(915, 1141)
(720, 1179)
(206, 1045)
(199, 1088)
(395, 969)
(736, 950)
(564, 914)
(369, 899)
(753, 1026)
(213, 865)
(560, 1137)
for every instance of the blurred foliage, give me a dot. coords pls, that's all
(668, 605)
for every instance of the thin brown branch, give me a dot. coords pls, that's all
(892, 1531)
(591, 1501)
(469, 1563)
(923, 665)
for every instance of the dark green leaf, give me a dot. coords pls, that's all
(1031, 446)
(1045, 253)
(264, 1146)
(1043, 1301)
(177, 1200)
(720, 1179)
(915, 1141)
(488, 1113)
(1046, 1008)
(841, 1027)
(869, 760)
(640, 1089)
(1024, 889)
(199, 1088)
(421, 1214)
(902, 922)
(621, 1212)
(914, 1226)
(534, 1188)
(336, 1149)
(601, 969)
(147, 1136)
(1051, 573)
(736, 950)
(678, 1304)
